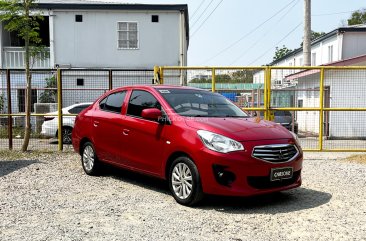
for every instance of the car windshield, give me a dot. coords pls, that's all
(200, 103)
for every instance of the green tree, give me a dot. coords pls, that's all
(242, 76)
(17, 17)
(280, 52)
(50, 94)
(314, 35)
(223, 78)
(357, 17)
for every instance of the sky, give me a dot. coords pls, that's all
(246, 33)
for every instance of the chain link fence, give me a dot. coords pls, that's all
(79, 88)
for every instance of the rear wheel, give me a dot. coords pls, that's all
(184, 181)
(66, 135)
(89, 159)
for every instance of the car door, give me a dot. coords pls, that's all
(108, 128)
(145, 138)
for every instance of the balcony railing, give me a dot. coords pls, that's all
(14, 58)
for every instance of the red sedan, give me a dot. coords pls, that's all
(198, 140)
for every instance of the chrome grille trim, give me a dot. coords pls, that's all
(278, 153)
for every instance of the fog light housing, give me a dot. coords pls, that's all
(222, 176)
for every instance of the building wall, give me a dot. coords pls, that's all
(346, 91)
(93, 42)
(354, 44)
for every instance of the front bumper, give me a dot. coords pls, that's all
(251, 175)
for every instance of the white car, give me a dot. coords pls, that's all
(50, 124)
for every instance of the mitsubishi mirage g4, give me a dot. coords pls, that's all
(198, 141)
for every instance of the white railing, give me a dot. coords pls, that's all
(14, 58)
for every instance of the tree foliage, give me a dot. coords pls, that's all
(241, 76)
(280, 52)
(17, 17)
(50, 94)
(314, 35)
(357, 17)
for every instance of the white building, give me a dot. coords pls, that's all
(344, 46)
(100, 35)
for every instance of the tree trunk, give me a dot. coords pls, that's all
(28, 96)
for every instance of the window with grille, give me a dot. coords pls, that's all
(127, 35)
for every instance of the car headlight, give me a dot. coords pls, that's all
(218, 142)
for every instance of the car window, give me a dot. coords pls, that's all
(194, 102)
(141, 100)
(78, 109)
(282, 113)
(113, 102)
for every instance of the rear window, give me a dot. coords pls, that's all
(113, 102)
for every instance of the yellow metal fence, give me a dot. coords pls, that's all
(325, 106)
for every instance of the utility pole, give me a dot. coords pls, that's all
(307, 33)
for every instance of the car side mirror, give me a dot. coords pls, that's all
(153, 114)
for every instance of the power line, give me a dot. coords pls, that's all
(327, 14)
(206, 18)
(265, 34)
(194, 13)
(203, 12)
(249, 33)
(288, 34)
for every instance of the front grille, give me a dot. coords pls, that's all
(275, 153)
(266, 183)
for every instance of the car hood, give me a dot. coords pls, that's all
(241, 129)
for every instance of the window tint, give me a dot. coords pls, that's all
(78, 109)
(113, 102)
(141, 100)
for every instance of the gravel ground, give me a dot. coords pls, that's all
(48, 197)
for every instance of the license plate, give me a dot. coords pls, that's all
(281, 173)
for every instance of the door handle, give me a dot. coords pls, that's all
(96, 123)
(126, 132)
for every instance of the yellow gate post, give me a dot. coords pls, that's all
(267, 95)
(161, 75)
(59, 109)
(213, 85)
(321, 107)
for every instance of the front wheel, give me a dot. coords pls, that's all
(184, 181)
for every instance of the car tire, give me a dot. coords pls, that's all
(66, 135)
(89, 160)
(184, 181)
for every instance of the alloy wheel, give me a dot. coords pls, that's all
(182, 180)
(88, 158)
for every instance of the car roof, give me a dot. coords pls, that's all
(157, 87)
(78, 104)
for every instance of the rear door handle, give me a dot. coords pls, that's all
(96, 123)
(126, 132)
